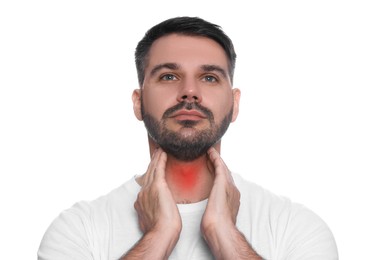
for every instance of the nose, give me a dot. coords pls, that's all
(189, 91)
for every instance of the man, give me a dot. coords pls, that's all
(187, 205)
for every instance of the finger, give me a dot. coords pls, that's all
(149, 175)
(216, 159)
(213, 156)
(220, 167)
(160, 166)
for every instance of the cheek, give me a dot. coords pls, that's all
(156, 103)
(221, 106)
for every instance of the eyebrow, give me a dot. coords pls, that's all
(212, 68)
(171, 66)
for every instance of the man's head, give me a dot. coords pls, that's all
(185, 98)
(190, 26)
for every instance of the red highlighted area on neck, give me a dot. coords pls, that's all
(185, 176)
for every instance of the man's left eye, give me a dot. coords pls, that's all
(210, 79)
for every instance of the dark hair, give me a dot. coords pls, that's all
(192, 26)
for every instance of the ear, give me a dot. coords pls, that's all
(236, 103)
(137, 104)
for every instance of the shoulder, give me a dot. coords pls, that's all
(276, 206)
(296, 231)
(122, 195)
(73, 232)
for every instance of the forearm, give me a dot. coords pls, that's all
(152, 245)
(229, 243)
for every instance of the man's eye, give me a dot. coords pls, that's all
(168, 77)
(210, 79)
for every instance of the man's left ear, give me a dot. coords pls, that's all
(236, 103)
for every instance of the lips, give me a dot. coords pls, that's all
(188, 112)
(188, 115)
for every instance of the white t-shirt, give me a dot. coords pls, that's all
(107, 228)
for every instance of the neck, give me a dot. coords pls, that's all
(189, 182)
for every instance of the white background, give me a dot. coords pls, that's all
(314, 122)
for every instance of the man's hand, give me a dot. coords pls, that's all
(224, 200)
(158, 215)
(219, 220)
(155, 205)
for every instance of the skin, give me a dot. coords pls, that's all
(200, 74)
(186, 181)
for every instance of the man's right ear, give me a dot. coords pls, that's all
(137, 104)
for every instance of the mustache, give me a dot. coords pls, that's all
(189, 106)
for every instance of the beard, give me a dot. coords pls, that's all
(185, 148)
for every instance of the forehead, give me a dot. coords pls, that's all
(187, 51)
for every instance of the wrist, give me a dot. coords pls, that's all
(154, 244)
(166, 235)
(168, 230)
(220, 238)
(227, 242)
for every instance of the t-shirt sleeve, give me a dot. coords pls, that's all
(279, 229)
(67, 236)
(308, 237)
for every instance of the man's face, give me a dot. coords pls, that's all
(187, 101)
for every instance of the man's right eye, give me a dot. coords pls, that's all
(168, 77)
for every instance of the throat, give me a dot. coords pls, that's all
(186, 178)
(188, 181)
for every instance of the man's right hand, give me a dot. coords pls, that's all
(156, 208)
(158, 215)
